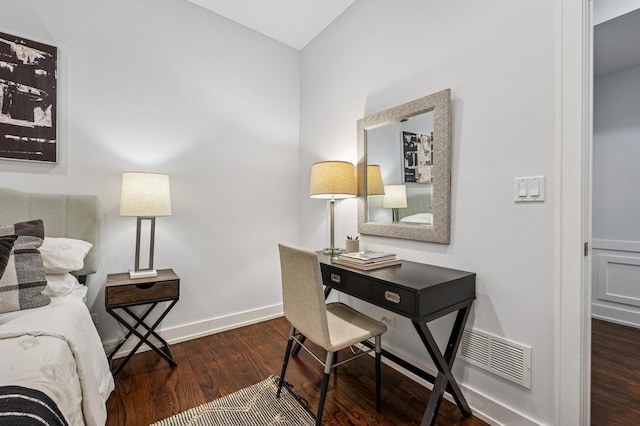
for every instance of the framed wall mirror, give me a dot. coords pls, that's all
(404, 170)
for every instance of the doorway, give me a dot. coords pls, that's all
(615, 295)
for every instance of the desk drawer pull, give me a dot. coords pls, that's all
(336, 278)
(391, 296)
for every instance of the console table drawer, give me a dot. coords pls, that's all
(393, 298)
(345, 282)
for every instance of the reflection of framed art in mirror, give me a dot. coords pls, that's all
(417, 156)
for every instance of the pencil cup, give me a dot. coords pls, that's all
(352, 246)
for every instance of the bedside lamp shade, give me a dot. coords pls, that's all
(146, 196)
(395, 197)
(332, 180)
(374, 180)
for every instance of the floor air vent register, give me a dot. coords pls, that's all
(507, 359)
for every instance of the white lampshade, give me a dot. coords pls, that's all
(374, 180)
(332, 180)
(395, 197)
(145, 195)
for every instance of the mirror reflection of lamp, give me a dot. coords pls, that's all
(395, 197)
(332, 180)
(374, 180)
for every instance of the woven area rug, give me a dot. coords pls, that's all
(255, 405)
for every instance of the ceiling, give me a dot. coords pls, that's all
(292, 22)
(616, 43)
(297, 22)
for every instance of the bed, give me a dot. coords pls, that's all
(51, 354)
(417, 207)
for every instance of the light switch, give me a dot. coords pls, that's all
(535, 188)
(519, 189)
(528, 189)
(522, 191)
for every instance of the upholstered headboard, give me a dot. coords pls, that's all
(70, 216)
(416, 203)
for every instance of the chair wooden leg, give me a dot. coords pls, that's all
(378, 371)
(287, 354)
(323, 396)
(324, 388)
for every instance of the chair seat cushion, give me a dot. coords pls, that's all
(348, 326)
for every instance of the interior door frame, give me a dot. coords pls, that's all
(573, 213)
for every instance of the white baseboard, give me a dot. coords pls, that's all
(191, 331)
(615, 313)
(482, 406)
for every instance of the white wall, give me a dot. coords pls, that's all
(166, 86)
(499, 60)
(616, 206)
(604, 10)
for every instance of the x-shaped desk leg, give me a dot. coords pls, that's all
(166, 354)
(444, 363)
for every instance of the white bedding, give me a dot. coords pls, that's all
(422, 218)
(57, 350)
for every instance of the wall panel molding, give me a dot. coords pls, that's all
(616, 281)
(616, 245)
(619, 279)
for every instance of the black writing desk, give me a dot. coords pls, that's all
(422, 293)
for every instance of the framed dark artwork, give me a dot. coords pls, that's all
(28, 107)
(417, 157)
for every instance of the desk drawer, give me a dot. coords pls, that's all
(345, 282)
(143, 293)
(393, 298)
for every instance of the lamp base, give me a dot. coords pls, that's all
(332, 251)
(148, 273)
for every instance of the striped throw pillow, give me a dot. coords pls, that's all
(23, 279)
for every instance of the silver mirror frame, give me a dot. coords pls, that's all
(439, 232)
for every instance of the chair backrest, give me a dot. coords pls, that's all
(302, 294)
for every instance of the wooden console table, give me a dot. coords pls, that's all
(421, 293)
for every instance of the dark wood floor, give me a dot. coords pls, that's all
(147, 389)
(615, 374)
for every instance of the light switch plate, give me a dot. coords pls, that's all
(533, 186)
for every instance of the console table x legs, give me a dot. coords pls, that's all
(444, 363)
(165, 352)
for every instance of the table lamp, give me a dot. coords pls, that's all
(146, 196)
(332, 180)
(395, 197)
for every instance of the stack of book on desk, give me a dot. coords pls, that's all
(366, 260)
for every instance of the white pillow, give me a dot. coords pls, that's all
(59, 285)
(62, 255)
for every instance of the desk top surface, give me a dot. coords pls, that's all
(123, 278)
(417, 276)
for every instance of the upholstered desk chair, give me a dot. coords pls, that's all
(332, 326)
